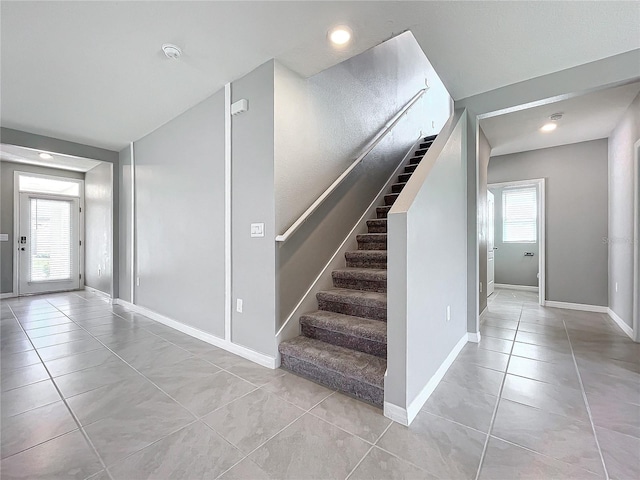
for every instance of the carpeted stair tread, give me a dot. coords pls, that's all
(358, 327)
(353, 372)
(354, 297)
(377, 225)
(397, 187)
(404, 177)
(390, 198)
(360, 278)
(382, 212)
(366, 258)
(372, 241)
(410, 168)
(430, 138)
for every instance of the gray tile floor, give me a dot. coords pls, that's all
(91, 390)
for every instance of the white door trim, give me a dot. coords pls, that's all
(636, 240)
(16, 223)
(542, 234)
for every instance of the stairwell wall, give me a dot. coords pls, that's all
(427, 274)
(321, 124)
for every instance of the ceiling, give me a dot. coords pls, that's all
(15, 154)
(587, 117)
(93, 72)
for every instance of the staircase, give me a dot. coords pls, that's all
(344, 344)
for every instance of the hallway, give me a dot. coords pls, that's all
(88, 385)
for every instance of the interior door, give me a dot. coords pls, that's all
(491, 215)
(48, 243)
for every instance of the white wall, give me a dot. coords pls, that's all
(98, 225)
(620, 228)
(576, 215)
(427, 272)
(484, 153)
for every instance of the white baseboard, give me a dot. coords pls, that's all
(576, 306)
(406, 416)
(98, 292)
(621, 323)
(259, 358)
(7, 295)
(526, 288)
(473, 337)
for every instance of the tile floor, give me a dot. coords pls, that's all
(90, 390)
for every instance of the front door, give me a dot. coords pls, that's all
(491, 215)
(48, 243)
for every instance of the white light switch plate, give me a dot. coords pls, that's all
(4, 237)
(257, 230)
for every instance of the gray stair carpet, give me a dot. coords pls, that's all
(343, 345)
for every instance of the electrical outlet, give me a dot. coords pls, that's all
(433, 124)
(239, 305)
(137, 281)
(448, 313)
(616, 287)
(480, 287)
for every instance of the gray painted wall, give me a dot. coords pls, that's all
(576, 215)
(511, 266)
(180, 217)
(484, 153)
(321, 125)
(427, 268)
(50, 144)
(253, 259)
(98, 222)
(611, 71)
(7, 170)
(620, 235)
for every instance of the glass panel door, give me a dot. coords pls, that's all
(48, 243)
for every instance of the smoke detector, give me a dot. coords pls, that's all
(171, 51)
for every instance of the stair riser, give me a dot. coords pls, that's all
(375, 228)
(367, 263)
(373, 313)
(426, 145)
(359, 284)
(404, 177)
(397, 187)
(390, 199)
(410, 168)
(415, 161)
(372, 245)
(348, 341)
(381, 212)
(360, 390)
(420, 152)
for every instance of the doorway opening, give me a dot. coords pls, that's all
(516, 236)
(49, 233)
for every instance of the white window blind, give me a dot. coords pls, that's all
(50, 248)
(519, 215)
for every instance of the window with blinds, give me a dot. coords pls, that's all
(519, 215)
(50, 249)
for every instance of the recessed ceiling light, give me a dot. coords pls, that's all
(548, 127)
(340, 35)
(172, 51)
(45, 156)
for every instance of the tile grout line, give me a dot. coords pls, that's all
(368, 451)
(66, 404)
(277, 433)
(586, 402)
(500, 390)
